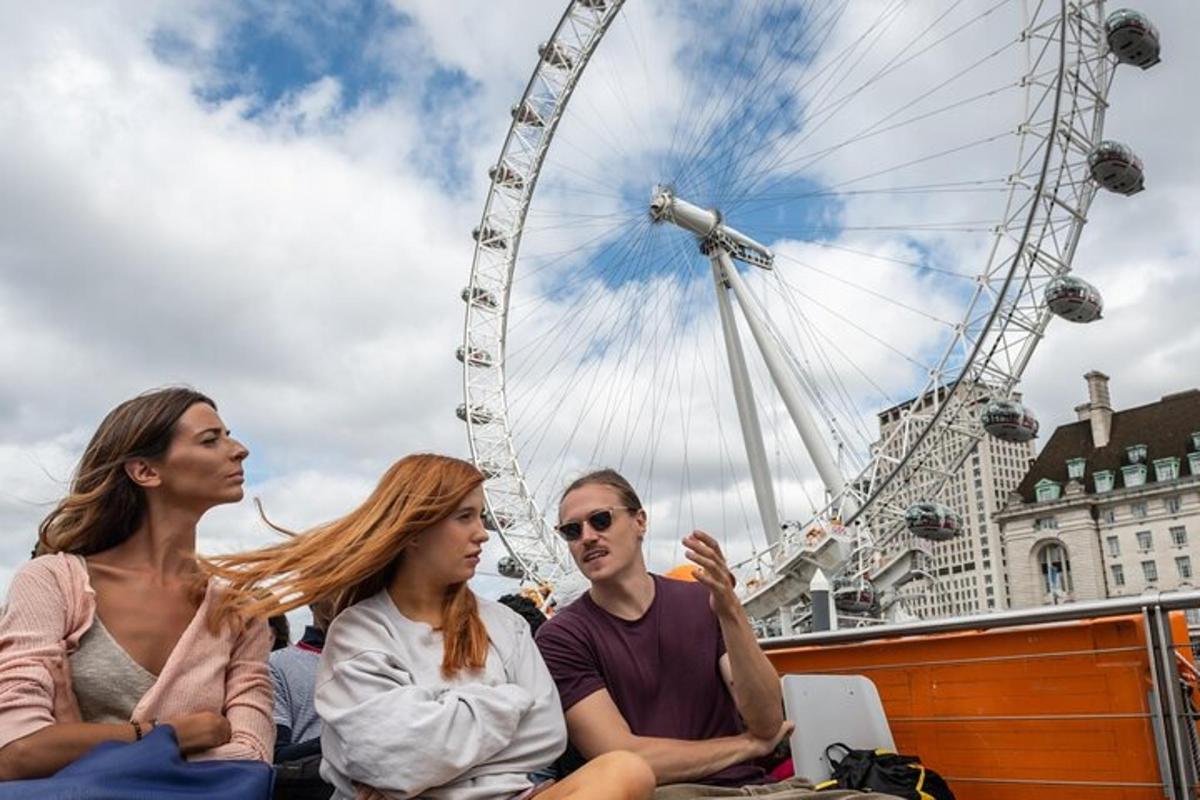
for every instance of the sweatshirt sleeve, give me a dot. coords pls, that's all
(380, 730)
(33, 629)
(249, 699)
(542, 734)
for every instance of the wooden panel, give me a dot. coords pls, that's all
(935, 687)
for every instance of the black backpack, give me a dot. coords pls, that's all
(884, 771)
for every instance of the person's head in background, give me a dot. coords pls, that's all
(281, 631)
(526, 608)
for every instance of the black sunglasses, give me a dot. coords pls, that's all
(599, 520)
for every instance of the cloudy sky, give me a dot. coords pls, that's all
(273, 202)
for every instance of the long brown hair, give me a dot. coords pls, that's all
(104, 506)
(355, 557)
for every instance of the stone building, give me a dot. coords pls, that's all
(969, 570)
(1111, 506)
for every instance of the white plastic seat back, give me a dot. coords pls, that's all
(828, 709)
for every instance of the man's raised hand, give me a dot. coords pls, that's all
(712, 571)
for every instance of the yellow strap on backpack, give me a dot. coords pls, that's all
(923, 795)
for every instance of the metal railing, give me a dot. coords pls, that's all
(1168, 708)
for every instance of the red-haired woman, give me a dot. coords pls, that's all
(423, 689)
(107, 631)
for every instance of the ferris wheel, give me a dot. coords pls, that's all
(719, 239)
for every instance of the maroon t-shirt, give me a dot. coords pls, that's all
(661, 670)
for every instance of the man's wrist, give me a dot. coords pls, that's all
(730, 610)
(750, 746)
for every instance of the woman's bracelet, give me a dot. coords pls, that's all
(137, 730)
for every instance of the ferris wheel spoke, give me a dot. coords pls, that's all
(844, 403)
(580, 371)
(717, 122)
(767, 174)
(582, 310)
(752, 177)
(821, 346)
(721, 93)
(834, 73)
(981, 185)
(745, 107)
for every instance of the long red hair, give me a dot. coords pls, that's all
(356, 556)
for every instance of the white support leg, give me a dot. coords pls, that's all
(785, 381)
(756, 452)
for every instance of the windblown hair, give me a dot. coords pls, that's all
(355, 557)
(104, 506)
(612, 479)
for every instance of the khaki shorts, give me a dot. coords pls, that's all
(791, 789)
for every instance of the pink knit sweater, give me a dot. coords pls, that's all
(50, 606)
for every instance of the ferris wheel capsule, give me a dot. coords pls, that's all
(525, 114)
(505, 175)
(480, 298)
(933, 521)
(855, 598)
(1073, 299)
(496, 522)
(477, 357)
(509, 567)
(478, 415)
(490, 469)
(490, 237)
(1009, 421)
(555, 55)
(1132, 38)
(1117, 168)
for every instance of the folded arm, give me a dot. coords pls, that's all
(249, 698)
(33, 628)
(381, 730)
(597, 727)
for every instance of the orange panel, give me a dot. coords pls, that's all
(967, 703)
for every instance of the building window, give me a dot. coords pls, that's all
(1109, 515)
(1114, 546)
(1136, 453)
(1134, 474)
(1056, 571)
(1104, 480)
(1118, 575)
(1138, 509)
(1184, 565)
(1179, 536)
(1166, 469)
(1075, 467)
(1145, 544)
(1150, 571)
(1173, 504)
(1046, 489)
(1045, 523)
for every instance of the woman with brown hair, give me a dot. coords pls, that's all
(107, 631)
(423, 688)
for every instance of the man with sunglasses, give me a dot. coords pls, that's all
(668, 669)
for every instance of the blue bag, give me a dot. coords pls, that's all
(151, 769)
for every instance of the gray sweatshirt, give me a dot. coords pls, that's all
(391, 721)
